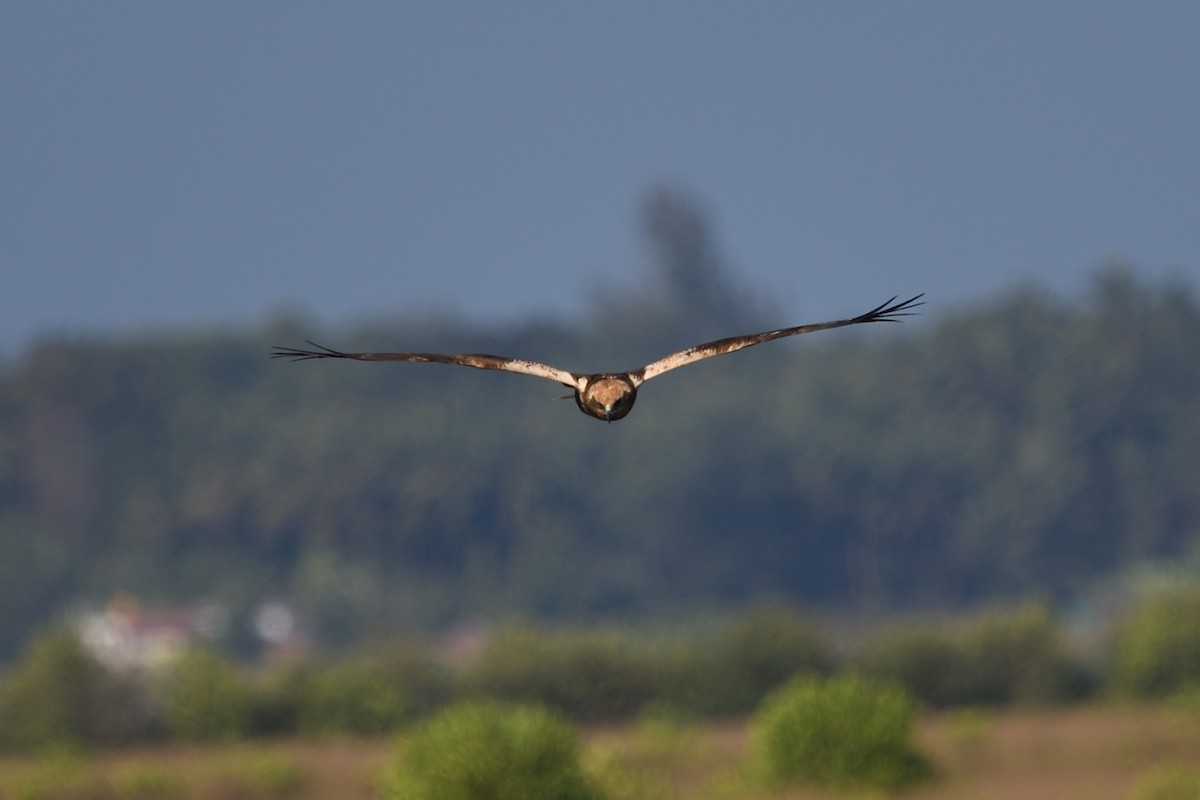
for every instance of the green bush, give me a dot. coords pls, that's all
(361, 697)
(55, 776)
(146, 781)
(995, 659)
(489, 751)
(269, 774)
(929, 663)
(60, 695)
(847, 731)
(586, 676)
(364, 694)
(426, 682)
(206, 699)
(1168, 783)
(1020, 657)
(1157, 649)
(754, 655)
(1186, 701)
(276, 696)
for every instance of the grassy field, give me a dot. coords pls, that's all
(1094, 753)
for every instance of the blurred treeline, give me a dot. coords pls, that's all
(57, 693)
(1029, 445)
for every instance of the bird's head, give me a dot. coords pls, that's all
(606, 397)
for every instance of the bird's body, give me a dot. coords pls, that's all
(608, 396)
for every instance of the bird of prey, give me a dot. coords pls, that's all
(609, 396)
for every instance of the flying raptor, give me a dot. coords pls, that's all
(609, 396)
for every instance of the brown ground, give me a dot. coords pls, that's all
(1092, 753)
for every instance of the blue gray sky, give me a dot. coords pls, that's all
(173, 165)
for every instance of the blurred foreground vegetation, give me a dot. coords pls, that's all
(1102, 753)
(58, 695)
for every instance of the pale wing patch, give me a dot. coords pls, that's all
(536, 369)
(706, 350)
(477, 360)
(886, 312)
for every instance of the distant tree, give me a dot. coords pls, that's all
(1157, 648)
(692, 271)
(206, 698)
(996, 658)
(690, 290)
(587, 676)
(757, 653)
(928, 661)
(360, 696)
(60, 695)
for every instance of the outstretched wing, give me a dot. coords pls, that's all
(890, 311)
(477, 360)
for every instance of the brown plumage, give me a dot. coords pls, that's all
(609, 396)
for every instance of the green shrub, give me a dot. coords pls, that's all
(142, 781)
(427, 684)
(489, 751)
(846, 731)
(206, 698)
(968, 727)
(1157, 648)
(360, 697)
(587, 676)
(268, 774)
(1168, 783)
(1186, 701)
(60, 695)
(995, 659)
(57, 776)
(756, 654)
(276, 696)
(1020, 657)
(929, 663)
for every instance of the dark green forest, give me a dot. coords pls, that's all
(1025, 446)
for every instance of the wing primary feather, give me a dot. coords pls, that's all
(297, 354)
(889, 311)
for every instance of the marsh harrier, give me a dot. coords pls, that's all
(609, 396)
